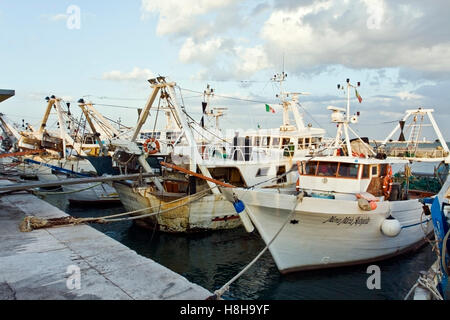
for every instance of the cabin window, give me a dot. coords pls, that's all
(285, 143)
(172, 135)
(300, 143)
(232, 175)
(265, 141)
(374, 171)
(147, 135)
(348, 170)
(257, 141)
(310, 168)
(327, 169)
(383, 170)
(281, 170)
(262, 172)
(366, 171)
(276, 142)
(307, 140)
(315, 141)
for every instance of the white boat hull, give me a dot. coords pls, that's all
(325, 233)
(90, 193)
(211, 212)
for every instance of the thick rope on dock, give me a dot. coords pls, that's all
(31, 223)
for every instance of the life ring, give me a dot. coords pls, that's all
(151, 146)
(387, 183)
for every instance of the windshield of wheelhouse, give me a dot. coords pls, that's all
(331, 169)
(332, 176)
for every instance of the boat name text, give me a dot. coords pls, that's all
(348, 220)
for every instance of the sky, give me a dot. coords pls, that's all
(105, 51)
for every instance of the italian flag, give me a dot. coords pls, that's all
(358, 96)
(269, 109)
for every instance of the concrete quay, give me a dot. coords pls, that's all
(76, 262)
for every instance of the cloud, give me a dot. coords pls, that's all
(136, 74)
(203, 52)
(405, 95)
(401, 46)
(370, 34)
(251, 60)
(208, 33)
(360, 34)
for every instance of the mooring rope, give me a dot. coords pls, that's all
(218, 293)
(31, 223)
(426, 284)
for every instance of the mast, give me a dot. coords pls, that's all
(50, 102)
(82, 105)
(9, 129)
(101, 121)
(67, 139)
(289, 105)
(345, 124)
(144, 114)
(195, 155)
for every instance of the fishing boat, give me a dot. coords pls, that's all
(192, 204)
(345, 209)
(181, 205)
(415, 148)
(61, 156)
(265, 157)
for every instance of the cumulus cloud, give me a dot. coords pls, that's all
(206, 27)
(251, 60)
(402, 46)
(356, 34)
(183, 17)
(137, 74)
(204, 52)
(360, 34)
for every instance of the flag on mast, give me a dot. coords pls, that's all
(269, 109)
(358, 96)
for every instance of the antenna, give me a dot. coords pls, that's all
(349, 85)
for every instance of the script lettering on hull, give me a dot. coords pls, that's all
(352, 221)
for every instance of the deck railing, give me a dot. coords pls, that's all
(417, 153)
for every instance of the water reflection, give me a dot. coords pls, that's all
(213, 258)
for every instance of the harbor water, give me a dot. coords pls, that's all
(213, 258)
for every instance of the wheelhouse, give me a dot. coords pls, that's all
(346, 174)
